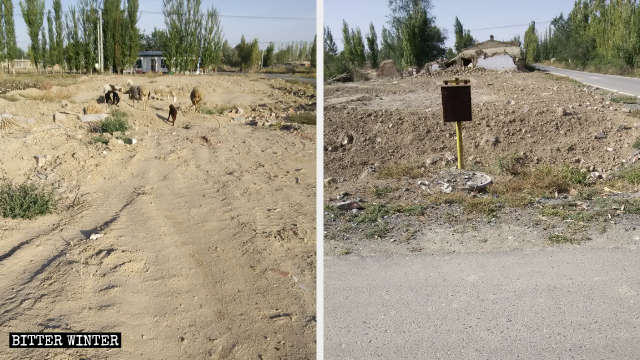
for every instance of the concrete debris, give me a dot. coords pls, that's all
(349, 205)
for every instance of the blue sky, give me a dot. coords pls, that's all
(475, 15)
(277, 30)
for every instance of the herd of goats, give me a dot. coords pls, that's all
(143, 94)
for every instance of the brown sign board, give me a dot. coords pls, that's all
(456, 102)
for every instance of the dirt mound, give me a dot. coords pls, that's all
(543, 119)
(387, 69)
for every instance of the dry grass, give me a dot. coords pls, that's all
(396, 171)
(48, 95)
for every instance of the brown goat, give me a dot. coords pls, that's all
(196, 98)
(173, 113)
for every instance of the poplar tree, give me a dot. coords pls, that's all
(57, 10)
(33, 14)
(52, 56)
(9, 30)
(372, 44)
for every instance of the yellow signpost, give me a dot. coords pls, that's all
(456, 107)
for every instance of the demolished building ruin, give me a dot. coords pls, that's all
(490, 55)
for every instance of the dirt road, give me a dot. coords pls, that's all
(550, 304)
(205, 230)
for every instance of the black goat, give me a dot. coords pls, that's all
(112, 97)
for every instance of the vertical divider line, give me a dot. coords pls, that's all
(319, 180)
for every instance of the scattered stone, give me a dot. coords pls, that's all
(347, 139)
(609, 149)
(95, 236)
(596, 175)
(601, 135)
(41, 160)
(510, 102)
(330, 181)
(342, 195)
(251, 122)
(367, 171)
(349, 205)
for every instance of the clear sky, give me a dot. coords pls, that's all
(475, 15)
(276, 30)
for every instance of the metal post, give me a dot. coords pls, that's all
(459, 142)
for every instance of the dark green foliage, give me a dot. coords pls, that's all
(372, 44)
(9, 48)
(354, 50)
(248, 54)
(117, 122)
(154, 41)
(57, 11)
(268, 55)
(25, 201)
(604, 35)
(33, 14)
(531, 44)
(330, 46)
(463, 37)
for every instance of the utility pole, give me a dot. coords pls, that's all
(100, 44)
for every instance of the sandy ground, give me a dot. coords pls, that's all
(208, 246)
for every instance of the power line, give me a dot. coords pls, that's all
(509, 26)
(252, 17)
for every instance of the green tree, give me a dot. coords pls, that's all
(422, 41)
(212, 41)
(463, 37)
(313, 52)
(184, 22)
(51, 54)
(44, 50)
(372, 44)
(33, 14)
(531, 44)
(57, 10)
(330, 46)
(268, 55)
(132, 34)
(248, 54)
(9, 30)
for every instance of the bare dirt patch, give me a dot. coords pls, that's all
(541, 138)
(194, 241)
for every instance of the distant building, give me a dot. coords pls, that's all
(490, 54)
(151, 61)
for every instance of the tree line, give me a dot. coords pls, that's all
(594, 33)
(410, 38)
(192, 38)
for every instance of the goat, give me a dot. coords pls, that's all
(112, 97)
(139, 93)
(196, 98)
(173, 113)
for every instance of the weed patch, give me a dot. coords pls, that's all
(396, 171)
(117, 122)
(305, 118)
(559, 239)
(623, 99)
(99, 139)
(25, 201)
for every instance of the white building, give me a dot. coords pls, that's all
(151, 61)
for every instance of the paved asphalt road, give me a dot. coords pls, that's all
(545, 304)
(622, 84)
